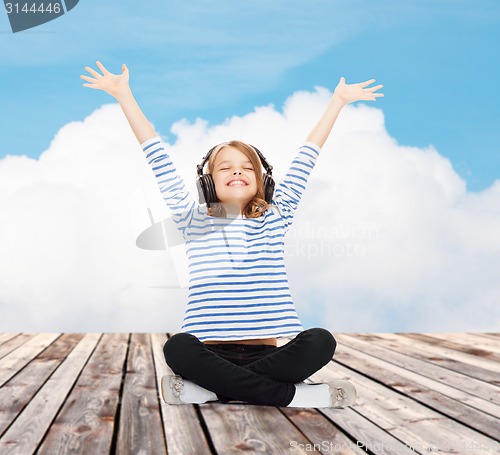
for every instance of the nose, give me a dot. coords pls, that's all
(236, 172)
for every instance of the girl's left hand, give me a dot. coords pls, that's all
(347, 93)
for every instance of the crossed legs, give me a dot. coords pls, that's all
(269, 380)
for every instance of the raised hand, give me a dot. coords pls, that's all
(113, 84)
(347, 93)
(342, 95)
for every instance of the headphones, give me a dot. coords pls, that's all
(206, 186)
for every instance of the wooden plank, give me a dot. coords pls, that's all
(13, 343)
(440, 348)
(88, 416)
(470, 343)
(19, 358)
(468, 409)
(446, 341)
(359, 428)
(493, 336)
(7, 336)
(356, 426)
(400, 416)
(493, 345)
(27, 431)
(452, 360)
(243, 428)
(364, 431)
(323, 434)
(375, 346)
(17, 393)
(182, 429)
(351, 423)
(140, 429)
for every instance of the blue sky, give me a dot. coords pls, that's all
(213, 59)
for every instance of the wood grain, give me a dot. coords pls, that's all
(100, 393)
(183, 430)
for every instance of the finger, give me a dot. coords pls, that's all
(373, 97)
(372, 89)
(93, 72)
(91, 86)
(90, 79)
(364, 84)
(101, 66)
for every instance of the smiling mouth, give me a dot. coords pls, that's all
(237, 183)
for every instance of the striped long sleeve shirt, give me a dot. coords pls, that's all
(238, 286)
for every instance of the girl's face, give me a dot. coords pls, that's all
(234, 177)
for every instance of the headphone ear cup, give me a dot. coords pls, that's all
(268, 188)
(206, 189)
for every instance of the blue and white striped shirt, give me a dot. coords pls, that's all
(238, 287)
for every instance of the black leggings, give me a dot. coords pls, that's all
(256, 374)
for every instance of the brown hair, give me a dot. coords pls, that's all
(257, 205)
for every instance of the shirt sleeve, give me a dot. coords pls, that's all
(172, 187)
(289, 190)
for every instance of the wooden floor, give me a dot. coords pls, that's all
(98, 394)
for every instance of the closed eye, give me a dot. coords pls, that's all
(226, 168)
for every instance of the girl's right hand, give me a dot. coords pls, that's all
(113, 84)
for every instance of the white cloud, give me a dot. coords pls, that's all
(386, 238)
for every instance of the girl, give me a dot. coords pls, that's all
(239, 301)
